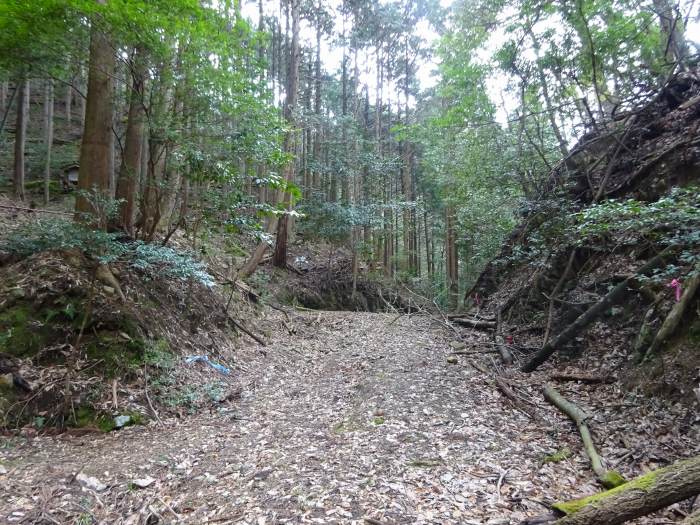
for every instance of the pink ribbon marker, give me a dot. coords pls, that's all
(676, 285)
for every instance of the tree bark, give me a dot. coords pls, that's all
(506, 356)
(67, 102)
(617, 294)
(638, 497)
(21, 137)
(97, 132)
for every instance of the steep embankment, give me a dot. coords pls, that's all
(572, 274)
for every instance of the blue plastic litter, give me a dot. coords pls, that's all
(205, 359)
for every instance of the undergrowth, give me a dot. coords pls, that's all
(152, 259)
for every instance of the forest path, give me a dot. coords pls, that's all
(357, 416)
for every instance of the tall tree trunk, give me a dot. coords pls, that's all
(48, 128)
(279, 258)
(130, 170)
(97, 131)
(21, 136)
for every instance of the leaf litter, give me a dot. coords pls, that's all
(358, 418)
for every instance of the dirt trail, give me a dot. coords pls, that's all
(357, 416)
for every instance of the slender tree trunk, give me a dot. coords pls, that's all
(82, 99)
(48, 127)
(21, 136)
(279, 258)
(68, 102)
(544, 86)
(452, 264)
(130, 170)
(97, 131)
(674, 47)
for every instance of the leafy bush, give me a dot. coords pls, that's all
(60, 234)
(672, 220)
(106, 247)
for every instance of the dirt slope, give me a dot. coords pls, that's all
(359, 415)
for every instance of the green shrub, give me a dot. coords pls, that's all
(152, 259)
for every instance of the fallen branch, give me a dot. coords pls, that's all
(519, 403)
(476, 317)
(475, 323)
(474, 352)
(243, 329)
(608, 479)
(617, 294)
(583, 378)
(641, 496)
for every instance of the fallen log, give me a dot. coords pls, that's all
(609, 479)
(583, 378)
(617, 294)
(641, 496)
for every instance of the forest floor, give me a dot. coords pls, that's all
(357, 417)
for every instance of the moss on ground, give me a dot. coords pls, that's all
(559, 455)
(87, 417)
(20, 334)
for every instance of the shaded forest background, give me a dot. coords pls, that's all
(196, 118)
